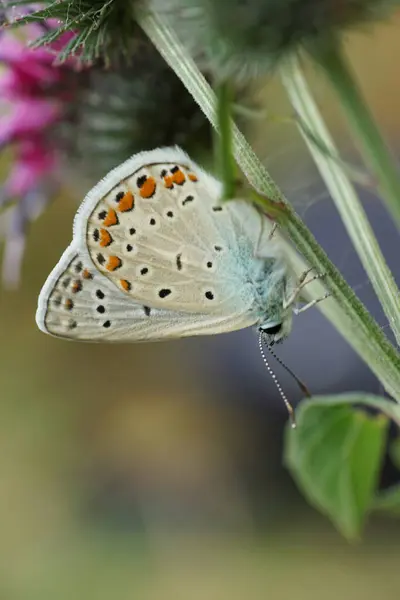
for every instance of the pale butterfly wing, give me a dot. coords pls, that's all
(79, 303)
(160, 235)
(171, 260)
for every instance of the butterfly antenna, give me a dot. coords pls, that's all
(278, 385)
(301, 385)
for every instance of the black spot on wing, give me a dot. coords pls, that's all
(187, 200)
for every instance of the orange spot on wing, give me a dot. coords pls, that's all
(86, 274)
(192, 177)
(148, 188)
(179, 177)
(125, 285)
(169, 182)
(126, 203)
(76, 286)
(69, 305)
(111, 218)
(113, 263)
(105, 238)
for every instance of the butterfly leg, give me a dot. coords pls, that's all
(302, 282)
(311, 304)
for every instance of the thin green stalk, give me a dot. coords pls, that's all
(361, 121)
(344, 310)
(343, 193)
(355, 174)
(224, 140)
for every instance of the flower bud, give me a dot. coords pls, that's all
(245, 38)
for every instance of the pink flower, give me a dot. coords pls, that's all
(35, 94)
(29, 117)
(33, 162)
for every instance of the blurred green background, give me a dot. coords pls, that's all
(155, 471)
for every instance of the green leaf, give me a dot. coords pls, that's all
(335, 455)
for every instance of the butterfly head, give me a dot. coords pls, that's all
(276, 331)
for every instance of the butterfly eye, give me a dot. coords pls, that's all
(272, 330)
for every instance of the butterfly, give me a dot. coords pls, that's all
(155, 255)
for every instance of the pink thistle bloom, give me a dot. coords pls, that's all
(29, 117)
(33, 162)
(34, 95)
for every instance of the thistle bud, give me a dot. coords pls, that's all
(101, 28)
(246, 38)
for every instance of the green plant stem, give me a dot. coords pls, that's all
(224, 140)
(343, 193)
(366, 133)
(355, 174)
(344, 310)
